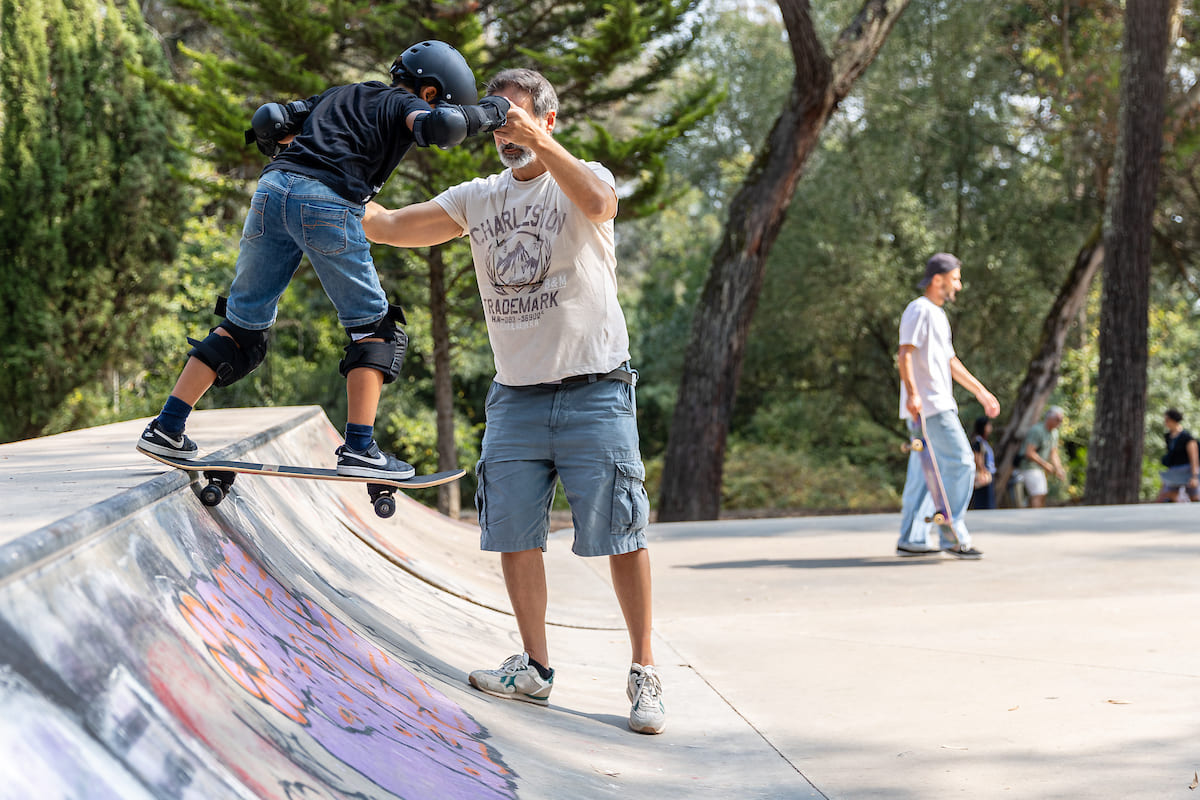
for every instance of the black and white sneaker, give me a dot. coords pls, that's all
(372, 463)
(172, 445)
(969, 553)
(908, 552)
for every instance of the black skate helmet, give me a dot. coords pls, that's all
(440, 65)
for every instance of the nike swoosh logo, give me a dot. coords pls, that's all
(379, 460)
(174, 442)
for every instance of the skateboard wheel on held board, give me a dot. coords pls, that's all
(918, 445)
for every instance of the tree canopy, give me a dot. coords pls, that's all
(90, 200)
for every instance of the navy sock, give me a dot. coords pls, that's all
(359, 437)
(173, 416)
(543, 671)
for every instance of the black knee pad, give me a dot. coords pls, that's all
(386, 356)
(231, 358)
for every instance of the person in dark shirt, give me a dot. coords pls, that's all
(984, 495)
(1182, 461)
(330, 154)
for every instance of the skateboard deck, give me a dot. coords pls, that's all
(933, 480)
(221, 474)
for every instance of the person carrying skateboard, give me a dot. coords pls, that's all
(330, 154)
(562, 403)
(929, 368)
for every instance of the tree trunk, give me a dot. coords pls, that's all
(449, 499)
(1043, 372)
(694, 461)
(1114, 469)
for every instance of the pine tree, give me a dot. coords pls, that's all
(89, 199)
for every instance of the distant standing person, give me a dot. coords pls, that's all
(984, 496)
(1040, 457)
(929, 368)
(1182, 460)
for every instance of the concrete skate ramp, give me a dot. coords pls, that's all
(289, 644)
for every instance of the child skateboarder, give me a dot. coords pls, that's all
(330, 154)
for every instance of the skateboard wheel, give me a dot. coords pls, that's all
(939, 519)
(918, 445)
(211, 495)
(385, 506)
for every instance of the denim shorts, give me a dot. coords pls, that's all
(582, 433)
(292, 216)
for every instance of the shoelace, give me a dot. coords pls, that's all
(649, 687)
(514, 664)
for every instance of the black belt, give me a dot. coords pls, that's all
(622, 373)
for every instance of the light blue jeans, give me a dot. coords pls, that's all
(292, 216)
(956, 463)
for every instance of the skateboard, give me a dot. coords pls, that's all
(221, 474)
(933, 480)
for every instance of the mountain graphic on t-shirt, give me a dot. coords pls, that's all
(518, 269)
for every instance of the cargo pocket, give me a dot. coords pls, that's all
(631, 506)
(324, 228)
(254, 226)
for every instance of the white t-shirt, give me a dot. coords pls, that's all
(925, 326)
(547, 276)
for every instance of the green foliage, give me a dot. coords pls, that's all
(89, 199)
(763, 476)
(664, 257)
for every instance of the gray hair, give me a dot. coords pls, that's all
(533, 83)
(1055, 411)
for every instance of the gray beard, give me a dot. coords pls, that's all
(521, 159)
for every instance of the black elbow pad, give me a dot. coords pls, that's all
(445, 126)
(275, 121)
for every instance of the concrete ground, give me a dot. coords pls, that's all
(145, 641)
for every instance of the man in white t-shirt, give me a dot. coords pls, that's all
(562, 403)
(928, 370)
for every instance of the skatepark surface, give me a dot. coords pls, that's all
(290, 644)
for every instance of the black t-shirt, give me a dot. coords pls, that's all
(353, 138)
(1177, 449)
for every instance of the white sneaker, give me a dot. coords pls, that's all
(516, 680)
(644, 689)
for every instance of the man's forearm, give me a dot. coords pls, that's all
(963, 377)
(595, 198)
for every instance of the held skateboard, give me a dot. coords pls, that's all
(221, 474)
(933, 480)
